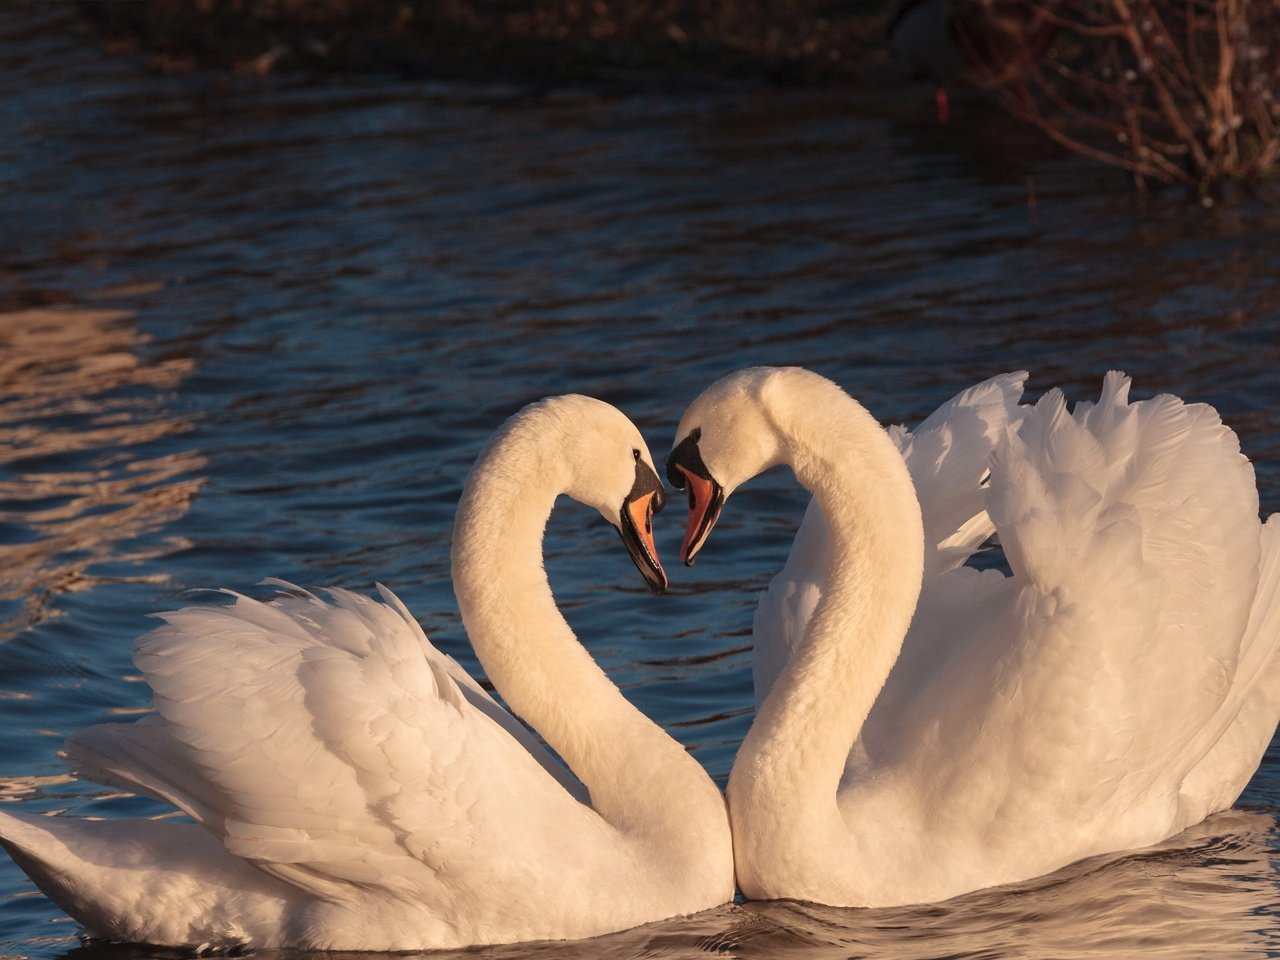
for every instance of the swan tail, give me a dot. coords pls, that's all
(137, 881)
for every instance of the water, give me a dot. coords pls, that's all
(257, 328)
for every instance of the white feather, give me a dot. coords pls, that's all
(356, 790)
(975, 729)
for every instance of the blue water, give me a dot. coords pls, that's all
(257, 328)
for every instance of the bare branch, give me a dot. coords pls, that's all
(1172, 92)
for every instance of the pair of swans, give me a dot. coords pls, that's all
(924, 729)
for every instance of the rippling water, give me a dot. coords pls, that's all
(254, 328)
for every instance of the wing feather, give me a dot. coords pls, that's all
(948, 456)
(1131, 530)
(328, 742)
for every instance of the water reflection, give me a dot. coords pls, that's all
(1202, 893)
(13, 789)
(1195, 895)
(76, 490)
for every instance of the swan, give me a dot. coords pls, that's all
(976, 43)
(983, 43)
(1118, 687)
(354, 789)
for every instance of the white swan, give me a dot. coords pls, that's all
(1120, 686)
(356, 790)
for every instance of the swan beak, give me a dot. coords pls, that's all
(636, 528)
(686, 471)
(706, 498)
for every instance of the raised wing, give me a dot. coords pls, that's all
(330, 744)
(1144, 517)
(1092, 678)
(948, 456)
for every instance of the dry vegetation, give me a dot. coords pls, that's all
(1175, 92)
(633, 42)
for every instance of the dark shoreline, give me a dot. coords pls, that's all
(681, 43)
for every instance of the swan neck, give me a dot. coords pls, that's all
(533, 659)
(875, 566)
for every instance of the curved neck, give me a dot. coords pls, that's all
(801, 739)
(640, 780)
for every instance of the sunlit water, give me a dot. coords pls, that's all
(261, 328)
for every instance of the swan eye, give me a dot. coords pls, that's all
(635, 453)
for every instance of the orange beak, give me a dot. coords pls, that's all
(637, 534)
(706, 497)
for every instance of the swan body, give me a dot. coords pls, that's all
(926, 728)
(981, 43)
(976, 43)
(354, 789)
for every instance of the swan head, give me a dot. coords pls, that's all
(725, 438)
(611, 469)
(635, 519)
